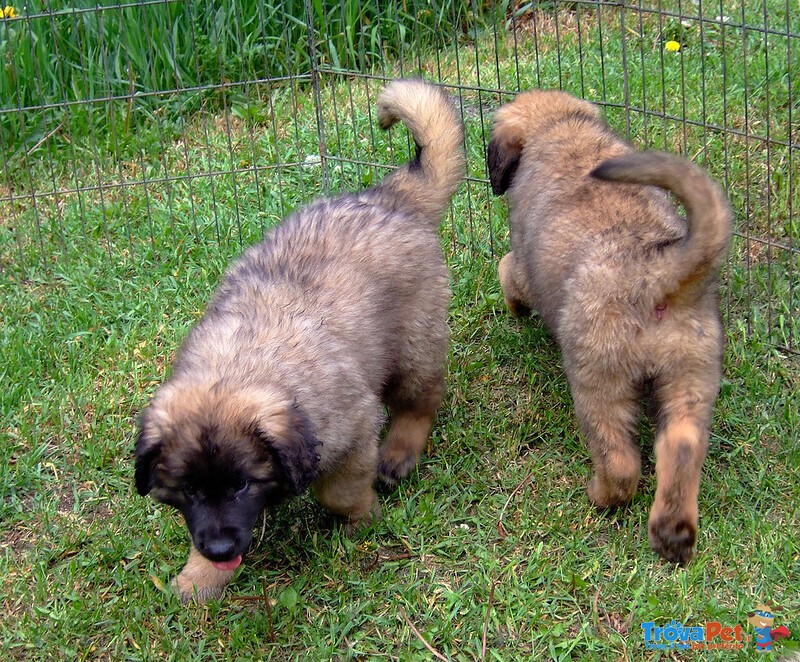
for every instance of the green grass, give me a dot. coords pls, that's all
(100, 283)
(138, 56)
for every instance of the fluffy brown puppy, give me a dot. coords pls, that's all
(338, 312)
(626, 285)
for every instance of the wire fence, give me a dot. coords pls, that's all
(131, 127)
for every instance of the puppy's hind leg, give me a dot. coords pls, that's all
(411, 422)
(348, 490)
(608, 411)
(514, 297)
(680, 449)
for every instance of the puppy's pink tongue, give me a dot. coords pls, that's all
(228, 565)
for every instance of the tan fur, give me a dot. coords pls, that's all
(199, 579)
(627, 286)
(339, 312)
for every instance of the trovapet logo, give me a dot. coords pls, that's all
(709, 636)
(714, 635)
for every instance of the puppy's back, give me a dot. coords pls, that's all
(702, 250)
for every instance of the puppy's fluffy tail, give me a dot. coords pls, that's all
(426, 184)
(708, 213)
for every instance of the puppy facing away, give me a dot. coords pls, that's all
(627, 287)
(339, 312)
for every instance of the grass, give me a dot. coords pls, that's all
(136, 56)
(493, 533)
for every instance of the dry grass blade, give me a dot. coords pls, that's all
(486, 621)
(500, 529)
(419, 636)
(264, 599)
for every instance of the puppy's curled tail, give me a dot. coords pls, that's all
(428, 182)
(708, 213)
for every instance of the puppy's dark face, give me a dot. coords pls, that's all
(221, 461)
(220, 482)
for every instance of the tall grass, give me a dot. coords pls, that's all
(118, 65)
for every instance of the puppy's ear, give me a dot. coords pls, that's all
(503, 154)
(148, 451)
(290, 435)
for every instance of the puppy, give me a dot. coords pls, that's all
(338, 312)
(626, 285)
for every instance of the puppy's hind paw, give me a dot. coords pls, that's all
(673, 539)
(610, 494)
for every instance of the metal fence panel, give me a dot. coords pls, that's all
(133, 125)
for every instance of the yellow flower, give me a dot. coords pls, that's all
(8, 12)
(672, 46)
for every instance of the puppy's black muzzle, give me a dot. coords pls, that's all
(226, 545)
(220, 533)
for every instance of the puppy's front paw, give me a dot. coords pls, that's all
(199, 580)
(517, 308)
(396, 464)
(190, 592)
(512, 293)
(673, 538)
(357, 522)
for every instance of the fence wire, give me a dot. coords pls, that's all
(135, 126)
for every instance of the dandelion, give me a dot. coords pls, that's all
(672, 46)
(8, 12)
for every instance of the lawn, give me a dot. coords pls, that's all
(490, 550)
